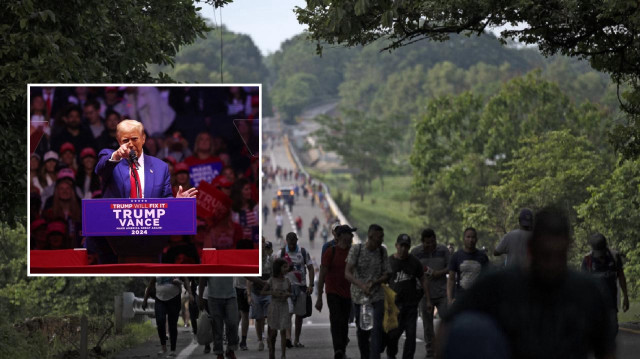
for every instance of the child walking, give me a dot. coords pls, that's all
(278, 316)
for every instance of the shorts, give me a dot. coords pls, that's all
(241, 296)
(260, 306)
(299, 307)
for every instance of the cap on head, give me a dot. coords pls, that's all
(334, 226)
(181, 167)
(51, 155)
(56, 227)
(344, 229)
(598, 243)
(35, 225)
(66, 173)
(67, 146)
(404, 239)
(88, 151)
(526, 217)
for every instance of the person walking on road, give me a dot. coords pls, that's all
(545, 311)
(265, 213)
(334, 240)
(606, 266)
(223, 308)
(243, 307)
(367, 268)
(301, 264)
(332, 275)
(514, 243)
(434, 258)
(278, 318)
(259, 303)
(279, 226)
(299, 225)
(406, 273)
(465, 265)
(167, 304)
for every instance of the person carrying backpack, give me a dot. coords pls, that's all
(338, 289)
(606, 266)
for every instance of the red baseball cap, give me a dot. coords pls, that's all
(180, 167)
(222, 181)
(37, 224)
(67, 146)
(56, 227)
(66, 173)
(88, 151)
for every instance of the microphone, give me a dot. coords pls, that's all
(133, 157)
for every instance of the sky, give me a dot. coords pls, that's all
(268, 22)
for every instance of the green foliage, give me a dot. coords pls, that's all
(18, 346)
(603, 32)
(78, 42)
(293, 94)
(365, 144)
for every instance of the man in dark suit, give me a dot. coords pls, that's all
(151, 180)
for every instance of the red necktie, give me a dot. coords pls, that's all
(49, 106)
(134, 188)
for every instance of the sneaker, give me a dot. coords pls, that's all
(207, 349)
(231, 354)
(289, 344)
(260, 346)
(243, 347)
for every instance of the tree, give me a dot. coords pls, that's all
(365, 144)
(78, 42)
(293, 94)
(603, 32)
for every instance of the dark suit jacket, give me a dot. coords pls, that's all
(115, 177)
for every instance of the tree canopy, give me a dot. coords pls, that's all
(78, 42)
(603, 32)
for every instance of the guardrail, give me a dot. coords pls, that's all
(332, 204)
(128, 306)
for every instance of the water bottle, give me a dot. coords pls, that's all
(366, 315)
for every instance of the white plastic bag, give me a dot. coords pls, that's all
(205, 333)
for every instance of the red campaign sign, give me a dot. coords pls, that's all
(212, 204)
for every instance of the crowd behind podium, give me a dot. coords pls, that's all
(184, 126)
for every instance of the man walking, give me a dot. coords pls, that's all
(606, 266)
(301, 264)
(332, 270)
(223, 309)
(514, 243)
(406, 273)
(367, 268)
(434, 258)
(465, 266)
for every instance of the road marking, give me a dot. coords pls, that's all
(279, 183)
(186, 352)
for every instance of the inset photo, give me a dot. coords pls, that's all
(139, 180)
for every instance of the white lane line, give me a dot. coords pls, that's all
(186, 352)
(279, 183)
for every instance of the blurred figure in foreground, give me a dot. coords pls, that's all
(546, 311)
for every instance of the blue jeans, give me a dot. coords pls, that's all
(407, 322)
(370, 341)
(224, 313)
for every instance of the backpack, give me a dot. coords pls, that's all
(302, 251)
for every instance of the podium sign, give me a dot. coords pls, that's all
(138, 217)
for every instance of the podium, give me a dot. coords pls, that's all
(137, 229)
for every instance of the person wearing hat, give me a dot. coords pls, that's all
(334, 240)
(514, 243)
(39, 234)
(68, 156)
(57, 235)
(150, 180)
(181, 178)
(338, 288)
(406, 273)
(48, 173)
(606, 266)
(87, 179)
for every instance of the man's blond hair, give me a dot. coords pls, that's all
(129, 124)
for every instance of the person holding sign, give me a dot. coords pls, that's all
(204, 165)
(128, 173)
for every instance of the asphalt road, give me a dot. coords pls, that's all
(315, 333)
